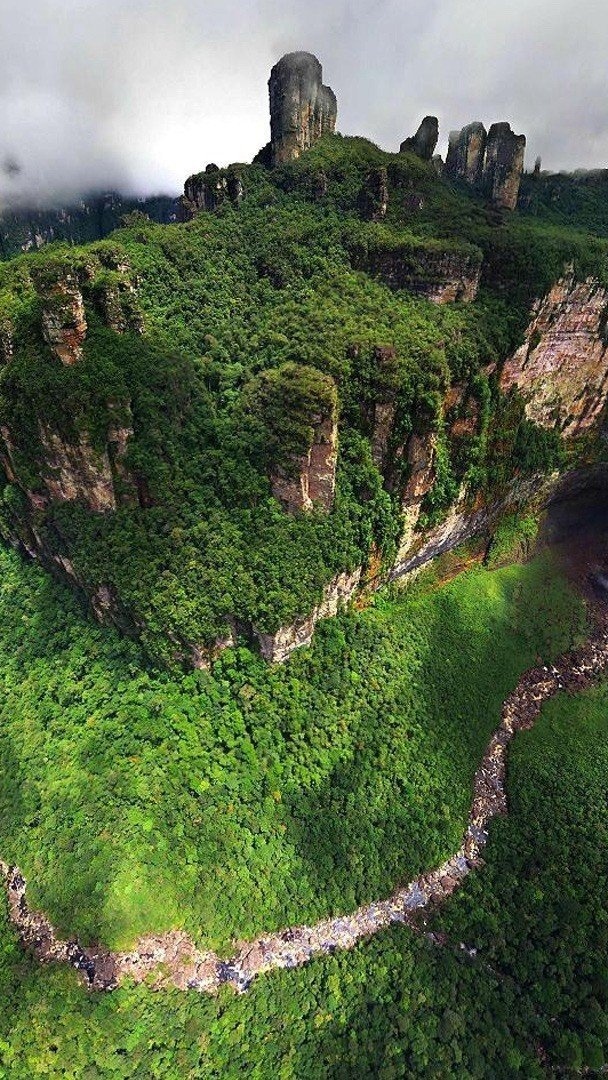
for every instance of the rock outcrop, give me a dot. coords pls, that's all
(503, 166)
(74, 470)
(64, 324)
(421, 467)
(562, 367)
(442, 276)
(491, 163)
(310, 479)
(425, 140)
(211, 189)
(466, 153)
(301, 107)
(278, 647)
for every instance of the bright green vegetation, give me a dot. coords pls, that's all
(253, 798)
(514, 539)
(533, 1000)
(538, 913)
(282, 293)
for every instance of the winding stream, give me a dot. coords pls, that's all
(172, 958)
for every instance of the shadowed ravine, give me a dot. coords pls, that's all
(185, 967)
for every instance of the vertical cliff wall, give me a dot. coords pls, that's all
(301, 107)
(562, 367)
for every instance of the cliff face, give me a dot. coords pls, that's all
(491, 163)
(211, 189)
(93, 218)
(562, 367)
(311, 479)
(466, 153)
(441, 276)
(301, 107)
(64, 325)
(73, 469)
(503, 166)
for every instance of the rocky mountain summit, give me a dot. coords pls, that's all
(492, 163)
(302, 109)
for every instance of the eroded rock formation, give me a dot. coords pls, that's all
(278, 647)
(64, 324)
(442, 276)
(466, 152)
(490, 163)
(301, 107)
(211, 189)
(310, 480)
(562, 367)
(423, 143)
(503, 166)
(421, 468)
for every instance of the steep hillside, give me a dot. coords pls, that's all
(25, 228)
(213, 427)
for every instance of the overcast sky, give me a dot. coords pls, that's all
(138, 94)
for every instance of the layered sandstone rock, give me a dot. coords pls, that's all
(301, 107)
(64, 324)
(278, 647)
(562, 367)
(466, 152)
(503, 166)
(421, 467)
(76, 471)
(423, 143)
(439, 275)
(310, 480)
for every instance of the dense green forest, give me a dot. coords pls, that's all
(138, 794)
(112, 782)
(287, 278)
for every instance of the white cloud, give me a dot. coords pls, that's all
(140, 93)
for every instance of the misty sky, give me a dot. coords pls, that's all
(138, 94)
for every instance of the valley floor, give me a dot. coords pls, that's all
(394, 1004)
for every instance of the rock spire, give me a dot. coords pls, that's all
(423, 143)
(301, 107)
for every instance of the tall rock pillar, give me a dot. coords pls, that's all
(301, 107)
(504, 165)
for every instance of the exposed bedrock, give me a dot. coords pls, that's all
(466, 152)
(310, 479)
(491, 163)
(423, 143)
(75, 470)
(562, 367)
(211, 189)
(278, 647)
(441, 276)
(64, 324)
(301, 107)
(503, 166)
